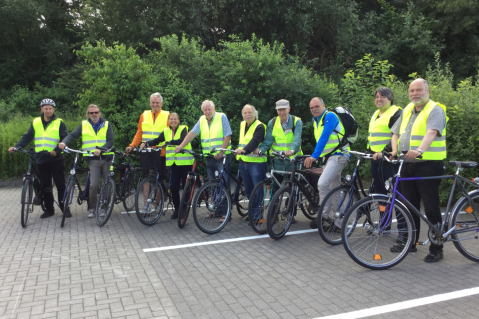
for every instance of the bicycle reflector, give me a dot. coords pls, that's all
(377, 257)
(469, 210)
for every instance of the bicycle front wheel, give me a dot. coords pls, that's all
(67, 199)
(27, 201)
(465, 218)
(258, 205)
(217, 206)
(149, 200)
(185, 201)
(372, 237)
(280, 213)
(331, 212)
(306, 207)
(105, 202)
(242, 201)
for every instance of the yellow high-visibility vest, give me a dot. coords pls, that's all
(245, 139)
(380, 134)
(178, 158)
(46, 139)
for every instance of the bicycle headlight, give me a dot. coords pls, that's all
(268, 175)
(387, 185)
(217, 174)
(348, 178)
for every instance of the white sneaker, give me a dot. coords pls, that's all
(91, 214)
(145, 210)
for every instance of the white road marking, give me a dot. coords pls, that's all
(214, 242)
(19, 293)
(404, 304)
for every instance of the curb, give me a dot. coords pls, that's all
(17, 182)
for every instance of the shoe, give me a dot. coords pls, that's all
(91, 214)
(175, 215)
(400, 247)
(434, 256)
(246, 219)
(313, 224)
(47, 214)
(145, 210)
(293, 221)
(222, 219)
(102, 213)
(68, 214)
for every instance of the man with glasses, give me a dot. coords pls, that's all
(328, 132)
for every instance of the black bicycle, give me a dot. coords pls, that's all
(31, 185)
(285, 201)
(336, 203)
(72, 181)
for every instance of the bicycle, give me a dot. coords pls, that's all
(31, 185)
(193, 181)
(72, 181)
(339, 200)
(288, 197)
(128, 180)
(369, 231)
(216, 195)
(152, 191)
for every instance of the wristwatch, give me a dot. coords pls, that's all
(420, 151)
(294, 152)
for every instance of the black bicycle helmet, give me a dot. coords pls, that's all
(47, 102)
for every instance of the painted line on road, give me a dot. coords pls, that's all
(222, 241)
(405, 304)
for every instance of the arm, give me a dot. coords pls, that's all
(71, 137)
(156, 141)
(139, 133)
(26, 138)
(109, 138)
(330, 123)
(258, 137)
(268, 140)
(425, 144)
(191, 135)
(298, 130)
(182, 137)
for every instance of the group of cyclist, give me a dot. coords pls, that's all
(419, 130)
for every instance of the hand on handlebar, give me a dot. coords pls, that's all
(412, 154)
(309, 161)
(219, 155)
(11, 149)
(288, 153)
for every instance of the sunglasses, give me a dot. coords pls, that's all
(93, 112)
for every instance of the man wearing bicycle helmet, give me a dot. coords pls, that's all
(47, 131)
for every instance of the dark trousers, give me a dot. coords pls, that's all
(427, 190)
(47, 171)
(178, 175)
(382, 173)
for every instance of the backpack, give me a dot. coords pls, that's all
(349, 123)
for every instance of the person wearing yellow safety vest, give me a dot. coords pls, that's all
(47, 131)
(380, 136)
(95, 131)
(180, 163)
(252, 168)
(215, 132)
(283, 134)
(328, 131)
(422, 132)
(151, 124)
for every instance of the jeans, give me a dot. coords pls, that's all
(427, 190)
(177, 175)
(47, 171)
(213, 165)
(252, 174)
(97, 167)
(331, 177)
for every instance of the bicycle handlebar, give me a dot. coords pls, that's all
(30, 151)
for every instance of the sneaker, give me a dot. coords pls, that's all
(434, 256)
(145, 210)
(102, 213)
(91, 214)
(313, 224)
(400, 247)
(175, 215)
(47, 214)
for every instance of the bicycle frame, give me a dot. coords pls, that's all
(82, 193)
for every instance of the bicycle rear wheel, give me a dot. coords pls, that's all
(258, 205)
(105, 202)
(217, 204)
(331, 213)
(129, 190)
(27, 201)
(280, 213)
(369, 233)
(306, 207)
(185, 201)
(67, 199)
(466, 219)
(242, 201)
(149, 200)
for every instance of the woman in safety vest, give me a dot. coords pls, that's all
(180, 163)
(380, 136)
(95, 131)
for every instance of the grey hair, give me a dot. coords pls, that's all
(319, 99)
(255, 112)
(157, 95)
(91, 106)
(207, 102)
(384, 91)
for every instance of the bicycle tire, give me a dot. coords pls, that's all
(70, 189)
(241, 203)
(205, 215)
(306, 207)
(129, 190)
(258, 205)
(366, 237)
(27, 201)
(185, 202)
(37, 191)
(105, 202)
(338, 200)
(279, 216)
(153, 213)
(466, 220)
